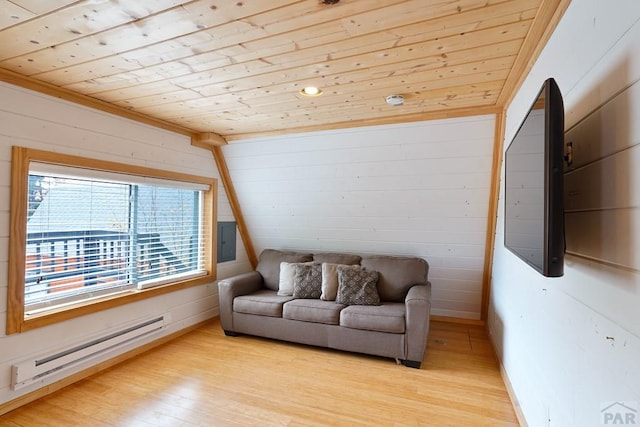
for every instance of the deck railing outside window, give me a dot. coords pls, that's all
(60, 265)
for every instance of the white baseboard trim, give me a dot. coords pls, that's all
(512, 395)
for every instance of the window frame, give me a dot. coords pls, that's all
(21, 158)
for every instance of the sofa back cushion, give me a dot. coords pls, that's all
(337, 258)
(269, 265)
(396, 274)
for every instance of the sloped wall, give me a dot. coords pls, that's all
(570, 346)
(412, 189)
(37, 121)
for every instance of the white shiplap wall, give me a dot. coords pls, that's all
(412, 189)
(570, 346)
(37, 121)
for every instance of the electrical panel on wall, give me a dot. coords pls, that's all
(226, 241)
(602, 202)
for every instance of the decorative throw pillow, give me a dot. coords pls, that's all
(329, 281)
(357, 286)
(269, 265)
(307, 281)
(287, 272)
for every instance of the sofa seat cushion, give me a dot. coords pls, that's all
(313, 310)
(388, 317)
(263, 303)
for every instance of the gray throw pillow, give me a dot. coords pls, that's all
(357, 286)
(307, 281)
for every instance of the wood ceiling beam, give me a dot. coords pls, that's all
(492, 216)
(57, 92)
(547, 18)
(207, 140)
(545, 22)
(230, 190)
(407, 118)
(221, 163)
(212, 141)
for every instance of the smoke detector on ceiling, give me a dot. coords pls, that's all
(395, 100)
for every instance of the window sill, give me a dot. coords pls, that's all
(40, 318)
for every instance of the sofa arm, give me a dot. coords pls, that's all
(418, 308)
(232, 287)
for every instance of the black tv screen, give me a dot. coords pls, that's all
(534, 208)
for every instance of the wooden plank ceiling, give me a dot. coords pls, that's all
(235, 68)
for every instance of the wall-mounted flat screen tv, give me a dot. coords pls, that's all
(534, 176)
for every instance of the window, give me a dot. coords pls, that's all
(98, 236)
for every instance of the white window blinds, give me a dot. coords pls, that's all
(90, 234)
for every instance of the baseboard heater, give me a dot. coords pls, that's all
(30, 371)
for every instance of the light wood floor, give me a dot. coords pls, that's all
(206, 379)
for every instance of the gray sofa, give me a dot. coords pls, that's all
(258, 303)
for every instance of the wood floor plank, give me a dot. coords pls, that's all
(204, 378)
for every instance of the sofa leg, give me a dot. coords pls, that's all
(411, 364)
(231, 333)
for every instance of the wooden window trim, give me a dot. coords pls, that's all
(20, 160)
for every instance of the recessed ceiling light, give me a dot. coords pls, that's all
(311, 91)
